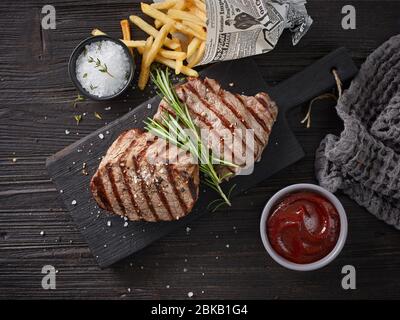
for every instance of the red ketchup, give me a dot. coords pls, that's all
(304, 227)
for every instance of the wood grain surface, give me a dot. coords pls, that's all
(220, 255)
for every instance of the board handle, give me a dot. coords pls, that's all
(314, 80)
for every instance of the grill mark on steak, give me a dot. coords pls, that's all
(265, 105)
(223, 120)
(254, 114)
(203, 119)
(141, 182)
(128, 188)
(171, 181)
(111, 177)
(161, 194)
(238, 116)
(101, 192)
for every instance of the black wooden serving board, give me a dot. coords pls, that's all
(111, 244)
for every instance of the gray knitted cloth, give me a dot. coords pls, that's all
(364, 162)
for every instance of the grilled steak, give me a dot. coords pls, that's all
(226, 114)
(134, 179)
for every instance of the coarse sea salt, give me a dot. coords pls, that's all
(103, 68)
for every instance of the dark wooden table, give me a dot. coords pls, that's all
(221, 256)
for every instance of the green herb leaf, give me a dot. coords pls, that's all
(84, 75)
(78, 99)
(78, 118)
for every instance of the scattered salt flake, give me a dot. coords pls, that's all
(125, 224)
(67, 131)
(203, 274)
(167, 286)
(185, 269)
(42, 233)
(141, 267)
(227, 246)
(105, 246)
(129, 289)
(216, 258)
(73, 202)
(149, 106)
(61, 191)
(101, 136)
(107, 108)
(14, 160)
(108, 223)
(190, 294)
(202, 291)
(231, 84)
(188, 229)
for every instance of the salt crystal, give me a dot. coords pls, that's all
(101, 136)
(73, 202)
(108, 223)
(103, 68)
(190, 294)
(67, 131)
(125, 224)
(42, 233)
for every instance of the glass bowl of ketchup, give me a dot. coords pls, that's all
(303, 227)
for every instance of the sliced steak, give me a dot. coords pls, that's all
(135, 180)
(227, 116)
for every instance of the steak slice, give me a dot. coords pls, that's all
(227, 116)
(135, 180)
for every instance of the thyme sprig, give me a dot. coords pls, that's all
(181, 131)
(102, 67)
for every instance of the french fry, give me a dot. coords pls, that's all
(134, 43)
(98, 32)
(186, 16)
(198, 56)
(195, 27)
(189, 31)
(145, 69)
(199, 14)
(155, 14)
(128, 43)
(193, 46)
(174, 55)
(165, 5)
(200, 5)
(158, 24)
(157, 44)
(178, 66)
(172, 64)
(150, 30)
(180, 5)
(126, 31)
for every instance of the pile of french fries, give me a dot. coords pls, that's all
(177, 39)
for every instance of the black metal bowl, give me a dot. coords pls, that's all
(77, 52)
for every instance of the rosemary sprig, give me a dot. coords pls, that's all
(181, 131)
(101, 67)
